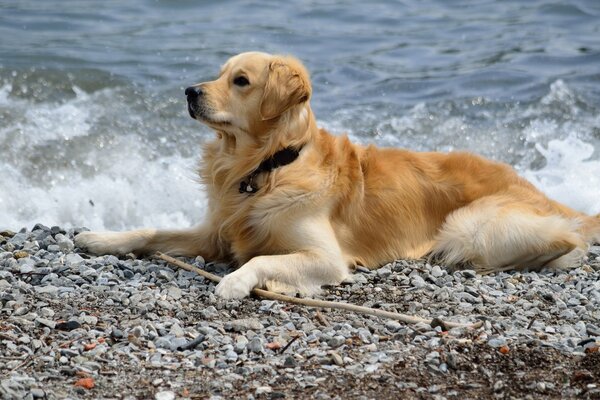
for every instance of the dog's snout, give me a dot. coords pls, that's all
(193, 92)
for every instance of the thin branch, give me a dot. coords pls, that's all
(318, 303)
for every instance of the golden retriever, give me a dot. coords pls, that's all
(296, 207)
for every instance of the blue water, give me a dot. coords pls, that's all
(94, 130)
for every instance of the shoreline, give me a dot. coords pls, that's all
(132, 319)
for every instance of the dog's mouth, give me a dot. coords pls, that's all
(204, 114)
(193, 109)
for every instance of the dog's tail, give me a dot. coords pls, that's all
(591, 229)
(596, 237)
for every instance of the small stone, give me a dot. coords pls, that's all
(199, 260)
(417, 281)
(24, 339)
(392, 325)
(337, 359)
(21, 311)
(20, 254)
(137, 331)
(37, 393)
(163, 343)
(73, 259)
(40, 227)
(541, 386)
(371, 368)
(263, 390)
(165, 395)
(497, 342)
(174, 292)
(7, 233)
(437, 271)
(88, 319)
(289, 362)
(50, 290)
(117, 334)
(46, 322)
(433, 358)
(241, 343)
(469, 273)
(384, 272)
(256, 345)
(244, 324)
(231, 355)
(26, 269)
(336, 341)
(158, 381)
(64, 243)
(177, 330)
(53, 248)
(68, 326)
(18, 239)
(164, 274)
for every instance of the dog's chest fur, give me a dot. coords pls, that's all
(253, 224)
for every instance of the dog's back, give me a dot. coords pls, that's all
(459, 207)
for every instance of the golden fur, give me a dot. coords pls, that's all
(341, 204)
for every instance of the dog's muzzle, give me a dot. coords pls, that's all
(193, 93)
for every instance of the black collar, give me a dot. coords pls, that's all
(279, 159)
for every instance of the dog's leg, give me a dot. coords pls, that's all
(319, 262)
(494, 234)
(189, 242)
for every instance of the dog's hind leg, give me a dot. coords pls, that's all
(494, 234)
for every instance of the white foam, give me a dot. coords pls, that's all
(569, 175)
(123, 186)
(134, 193)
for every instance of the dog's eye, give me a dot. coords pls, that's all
(241, 81)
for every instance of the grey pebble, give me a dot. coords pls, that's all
(37, 393)
(336, 341)
(244, 324)
(164, 274)
(46, 322)
(256, 345)
(417, 281)
(498, 341)
(437, 272)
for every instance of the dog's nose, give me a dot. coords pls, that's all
(193, 92)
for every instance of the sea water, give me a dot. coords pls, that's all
(93, 123)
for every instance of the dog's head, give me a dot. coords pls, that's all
(254, 92)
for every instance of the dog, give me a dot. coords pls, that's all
(297, 208)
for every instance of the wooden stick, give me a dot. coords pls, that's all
(318, 303)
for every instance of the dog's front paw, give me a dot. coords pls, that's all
(103, 242)
(237, 285)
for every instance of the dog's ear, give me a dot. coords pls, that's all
(287, 85)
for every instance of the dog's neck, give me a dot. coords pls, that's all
(281, 158)
(233, 159)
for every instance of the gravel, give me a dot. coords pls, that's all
(140, 328)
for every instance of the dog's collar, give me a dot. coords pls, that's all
(282, 157)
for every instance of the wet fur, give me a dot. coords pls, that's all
(341, 204)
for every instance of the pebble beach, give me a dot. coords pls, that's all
(74, 325)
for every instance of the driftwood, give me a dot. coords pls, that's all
(409, 319)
